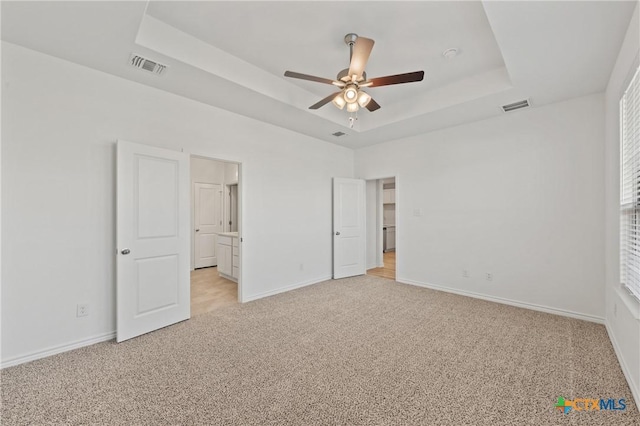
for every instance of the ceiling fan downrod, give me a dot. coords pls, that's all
(350, 40)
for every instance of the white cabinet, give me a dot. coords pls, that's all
(224, 255)
(235, 260)
(391, 238)
(389, 196)
(228, 256)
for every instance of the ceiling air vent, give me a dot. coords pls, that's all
(338, 134)
(147, 64)
(515, 105)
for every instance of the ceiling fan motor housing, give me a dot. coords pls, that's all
(344, 76)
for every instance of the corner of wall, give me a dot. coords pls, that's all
(622, 313)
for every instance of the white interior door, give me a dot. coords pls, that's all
(152, 239)
(207, 222)
(349, 233)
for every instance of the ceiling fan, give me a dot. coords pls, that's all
(351, 80)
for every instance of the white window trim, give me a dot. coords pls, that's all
(630, 187)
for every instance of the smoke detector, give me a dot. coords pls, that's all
(146, 64)
(450, 53)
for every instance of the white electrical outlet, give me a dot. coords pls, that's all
(488, 276)
(465, 273)
(302, 266)
(82, 310)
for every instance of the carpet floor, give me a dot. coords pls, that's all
(358, 351)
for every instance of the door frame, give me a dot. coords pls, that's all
(241, 215)
(380, 217)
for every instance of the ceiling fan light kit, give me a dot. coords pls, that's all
(352, 79)
(339, 101)
(363, 99)
(351, 93)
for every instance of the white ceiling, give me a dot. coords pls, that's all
(310, 37)
(233, 54)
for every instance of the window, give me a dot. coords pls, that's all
(630, 186)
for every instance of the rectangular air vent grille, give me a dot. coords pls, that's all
(515, 105)
(147, 64)
(338, 134)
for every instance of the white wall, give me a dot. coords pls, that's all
(519, 196)
(204, 170)
(230, 173)
(59, 129)
(622, 311)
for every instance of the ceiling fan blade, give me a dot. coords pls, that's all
(409, 77)
(312, 78)
(361, 51)
(324, 101)
(373, 105)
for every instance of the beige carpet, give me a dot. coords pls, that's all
(362, 351)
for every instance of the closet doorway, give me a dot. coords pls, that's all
(381, 227)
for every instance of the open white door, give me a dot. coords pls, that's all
(207, 221)
(349, 238)
(152, 239)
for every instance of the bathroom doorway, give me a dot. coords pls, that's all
(215, 241)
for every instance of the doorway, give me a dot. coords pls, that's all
(381, 227)
(215, 248)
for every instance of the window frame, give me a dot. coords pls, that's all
(630, 187)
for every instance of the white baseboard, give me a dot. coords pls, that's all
(57, 349)
(635, 387)
(532, 306)
(229, 277)
(111, 335)
(285, 289)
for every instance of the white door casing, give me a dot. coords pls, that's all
(207, 222)
(349, 233)
(233, 207)
(153, 231)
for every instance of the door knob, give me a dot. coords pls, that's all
(197, 230)
(125, 251)
(338, 233)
